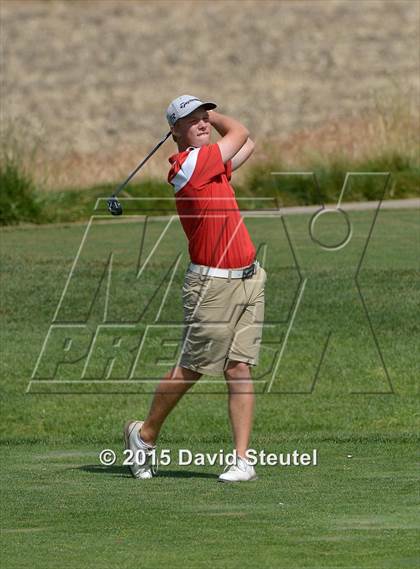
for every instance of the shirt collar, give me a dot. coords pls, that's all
(175, 156)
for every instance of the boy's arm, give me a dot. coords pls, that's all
(243, 154)
(234, 135)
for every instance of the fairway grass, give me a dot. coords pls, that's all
(61, 508)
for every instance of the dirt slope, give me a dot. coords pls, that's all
(91, 79)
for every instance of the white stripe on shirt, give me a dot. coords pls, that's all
(184, 174)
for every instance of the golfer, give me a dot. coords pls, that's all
(223, 292)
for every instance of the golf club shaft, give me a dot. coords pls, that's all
(134, 172)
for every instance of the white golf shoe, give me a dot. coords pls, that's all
(144, 467)
(242, 471)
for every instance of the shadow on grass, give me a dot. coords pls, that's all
(184, 474)
(123, 471)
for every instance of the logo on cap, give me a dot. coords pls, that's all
(185, 103)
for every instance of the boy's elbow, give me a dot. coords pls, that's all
(245, 134)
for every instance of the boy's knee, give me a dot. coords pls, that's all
(186, 374)
(237, 370)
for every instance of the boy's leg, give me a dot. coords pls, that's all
(241, 404)
(169, 391)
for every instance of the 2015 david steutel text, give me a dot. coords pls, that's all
(186, 457)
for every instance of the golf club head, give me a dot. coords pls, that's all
(114, 206)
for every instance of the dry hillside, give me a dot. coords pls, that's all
(90, 80)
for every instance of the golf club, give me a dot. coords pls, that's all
(114, 206)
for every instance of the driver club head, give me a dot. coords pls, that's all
(114, 206)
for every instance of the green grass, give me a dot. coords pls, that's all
(303, 190)
(19, 200)
(354, 512)
(23, 200)
(63, 508)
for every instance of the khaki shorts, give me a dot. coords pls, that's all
(223, 320)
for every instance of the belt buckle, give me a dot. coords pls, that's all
(249, 272)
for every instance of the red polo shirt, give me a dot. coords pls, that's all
(208, 210)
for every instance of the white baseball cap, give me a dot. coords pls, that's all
(183, 106)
